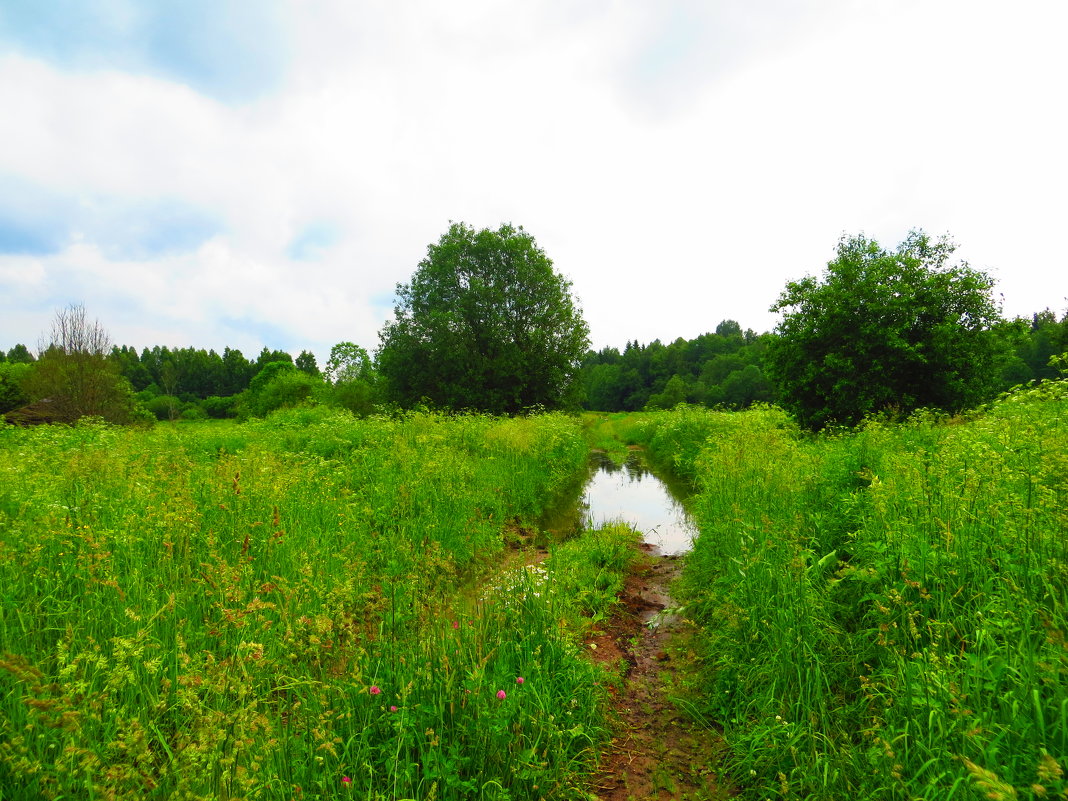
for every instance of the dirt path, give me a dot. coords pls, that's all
(658, 753)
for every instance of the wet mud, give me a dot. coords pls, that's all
(657, 753)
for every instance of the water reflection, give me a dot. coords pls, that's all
(630, 492)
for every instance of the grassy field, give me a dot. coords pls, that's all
(881, 613)
(314, 606)
(311, 606)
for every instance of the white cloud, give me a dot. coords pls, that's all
(679, 163)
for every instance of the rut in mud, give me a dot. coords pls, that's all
(657, 753)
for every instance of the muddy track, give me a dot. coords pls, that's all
(657, 752)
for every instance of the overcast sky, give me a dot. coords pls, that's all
(244, 173)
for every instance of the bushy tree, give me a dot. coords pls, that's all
(74, 371)
(604, 385)
(1046, 338)
(20, 354)
(217, 406)
(348, 362)
(675, 392)
(12, 377)
(164, 407)
(278, 385)
(352, 377)
(885, 330)
(486, 323)
(267, 356)
(131, 367)
(306, 363)
(237, 371)
(742, 388)
(286, 389)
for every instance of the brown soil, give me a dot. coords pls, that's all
(658, 752)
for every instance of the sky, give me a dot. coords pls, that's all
(250, 173)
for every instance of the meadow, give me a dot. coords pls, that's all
(319, 606)
(310, 606)
(879, 613)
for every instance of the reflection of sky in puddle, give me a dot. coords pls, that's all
(636, 496)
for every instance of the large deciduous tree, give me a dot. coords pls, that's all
(885, 330)
(487, 324)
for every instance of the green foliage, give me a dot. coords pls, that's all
(605, 387)
(882, 614)
(885, 331)
(260, 611)
(268, 373)
(164, 407)
(1033, 344)
(218, 407)
(720, 369)
(12, 377)
(348, 362)
(278, 385)
(358, 396)
(171, 407)
(187, 370)
(1060, 364)
(741, 389)
(675, 392)
(267, 356)
(486, 324)
(306, 363)
(237, 371)
(286, 389)
(20, 354)
(193, 411)
(590, 569)
(76, 374)
(352, 380)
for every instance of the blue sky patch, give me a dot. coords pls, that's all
(384, 300)
(135, 231)
(30, 237)
(33, 221)
(38, 221)
(268, 334)
(232, 50)
(310, 243)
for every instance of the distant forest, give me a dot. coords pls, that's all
(724, 368)
(727, 368)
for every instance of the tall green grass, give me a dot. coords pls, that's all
(302, 607)
(883, 613)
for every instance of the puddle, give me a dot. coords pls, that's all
(631, 493)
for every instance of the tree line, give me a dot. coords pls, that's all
(728, 368)
(487, 324)
(720, 368)
(78, 372)
(724, 368)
